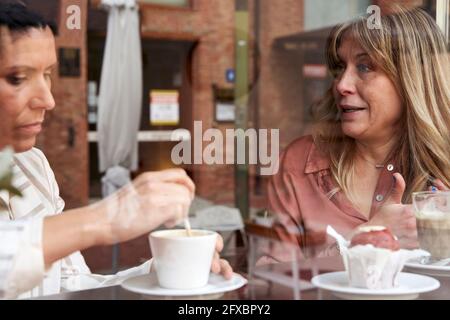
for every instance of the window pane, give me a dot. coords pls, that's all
(325, 13)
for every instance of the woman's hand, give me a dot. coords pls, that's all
(437, 184)
(218, 265)
(398, 217)
(152, 199)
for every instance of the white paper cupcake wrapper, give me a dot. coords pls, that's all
(370, 267)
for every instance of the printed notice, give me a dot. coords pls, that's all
(164, 108)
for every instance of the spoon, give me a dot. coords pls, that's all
(187, 226)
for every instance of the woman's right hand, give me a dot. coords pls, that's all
(151, 200)
(397, 217)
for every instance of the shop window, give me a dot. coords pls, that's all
(325, 13)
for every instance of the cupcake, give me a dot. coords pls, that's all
(373, 258)
(379, 237)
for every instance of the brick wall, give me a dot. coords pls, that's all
(280, 92)
(211, 24)
(70, 163)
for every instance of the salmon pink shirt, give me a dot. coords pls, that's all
(299, 194)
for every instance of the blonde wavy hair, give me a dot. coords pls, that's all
(410, 48)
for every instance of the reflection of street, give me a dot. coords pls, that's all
(262, 238)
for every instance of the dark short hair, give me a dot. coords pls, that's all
(19, 19)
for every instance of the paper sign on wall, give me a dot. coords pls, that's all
(164, 107)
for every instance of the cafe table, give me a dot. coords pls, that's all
(256, 289)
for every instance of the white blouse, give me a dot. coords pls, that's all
(21, 258)
(36, 180)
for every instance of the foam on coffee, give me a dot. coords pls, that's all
(181, 233)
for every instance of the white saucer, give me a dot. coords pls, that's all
(410, 285)
(148, 285)
(437, 271)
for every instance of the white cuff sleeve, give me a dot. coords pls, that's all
(23, 265)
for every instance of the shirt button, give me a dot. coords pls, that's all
(390, 167)
(379, 197)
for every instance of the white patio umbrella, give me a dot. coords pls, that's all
(120, 97)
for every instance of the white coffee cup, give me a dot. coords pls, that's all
(182, 261)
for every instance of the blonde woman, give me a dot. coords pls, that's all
(381, 131)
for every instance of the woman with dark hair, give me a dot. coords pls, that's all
(41, 240)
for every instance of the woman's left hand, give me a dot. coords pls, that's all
(218, 265)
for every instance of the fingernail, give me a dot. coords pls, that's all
(433, 189)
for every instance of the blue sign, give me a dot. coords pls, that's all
(230, 75)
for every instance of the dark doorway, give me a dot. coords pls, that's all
(166, 66)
